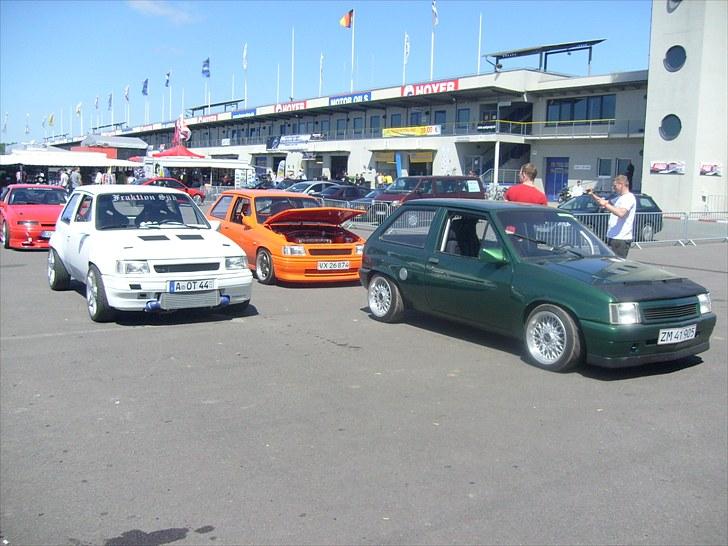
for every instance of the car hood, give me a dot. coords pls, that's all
(332, 216)
(166, 244)
(626, 280)
(40, 213)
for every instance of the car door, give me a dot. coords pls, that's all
(239, 225)
(78, 238)
(459, 283)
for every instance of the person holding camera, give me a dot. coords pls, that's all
(621, 218)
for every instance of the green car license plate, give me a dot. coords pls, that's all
(676, 335)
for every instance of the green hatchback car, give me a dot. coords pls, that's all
(537, 274)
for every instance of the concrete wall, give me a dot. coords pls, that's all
(697, 94)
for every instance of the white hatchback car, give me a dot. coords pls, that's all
(144, 248)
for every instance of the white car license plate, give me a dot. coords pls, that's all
(333, 266)
(191, 286)
(676, 335)
(46, 234)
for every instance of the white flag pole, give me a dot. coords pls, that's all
(404, 60)
(61, 120)
(278, 84)
(321, 73)
(432, 52)
(204, 99)
(232, 92)
(163, 106)
(353, 26)
(293, 60)
(480, 39)
(170, 101)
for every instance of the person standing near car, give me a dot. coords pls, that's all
(526, 191)
(75, 178)
(622, 209)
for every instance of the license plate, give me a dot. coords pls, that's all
(333, 266)
(191, 286)
(676, 335)
(46, 234)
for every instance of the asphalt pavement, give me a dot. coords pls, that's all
(304, 421)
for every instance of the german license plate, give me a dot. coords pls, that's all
(191, 286)
(676, 335)
(333, 266)
(46, 234)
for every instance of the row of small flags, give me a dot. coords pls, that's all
(346, 21)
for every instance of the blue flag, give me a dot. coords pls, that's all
(145, 87)
(206, 67)
(166, 79)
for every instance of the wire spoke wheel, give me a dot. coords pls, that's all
(552, 338)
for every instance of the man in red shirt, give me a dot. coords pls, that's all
(525, 191)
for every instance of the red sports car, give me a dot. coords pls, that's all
(197, 195)
(28, 214)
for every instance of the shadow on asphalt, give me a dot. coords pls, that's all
(510, 345)
(171, 318)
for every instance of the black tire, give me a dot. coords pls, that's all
(264, 267)
(98, 306)
(552, 339)
(5, 235)
(58, 277)
(385, 300)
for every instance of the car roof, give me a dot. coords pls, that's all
(474, 204)
(443, 177)
(41, 186)
(265, 193)
(101, 189)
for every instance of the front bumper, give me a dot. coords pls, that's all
(305, 269)
(614, 346)
(132, 293)
(36, 237)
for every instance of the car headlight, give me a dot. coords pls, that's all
(705, 305)
(132, 267)
(359, 249)
(624, 313)
(396, 203)
(236, 262)
(294, 250)
(28, 223)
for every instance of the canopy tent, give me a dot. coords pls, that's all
(62, 159)
(177, 151)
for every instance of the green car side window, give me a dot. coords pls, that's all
(410, 227)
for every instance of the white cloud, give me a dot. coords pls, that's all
(174, 13)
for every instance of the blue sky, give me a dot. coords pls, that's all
(56, 54)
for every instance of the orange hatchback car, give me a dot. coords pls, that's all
(292, 237)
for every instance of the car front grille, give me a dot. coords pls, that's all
(186, 268)
(189, 300)
(676, 312)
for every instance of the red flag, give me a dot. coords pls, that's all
(347, 19)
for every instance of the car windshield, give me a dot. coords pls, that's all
(402, 185)
(37, 196)
(549, 233)
(331, 190)
(147, 211)
(299, 187)
(268, 206)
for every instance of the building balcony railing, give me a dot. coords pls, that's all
(615, 128)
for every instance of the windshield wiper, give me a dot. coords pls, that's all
(551, 248)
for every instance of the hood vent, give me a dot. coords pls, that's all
(153, 238)
(195, 237)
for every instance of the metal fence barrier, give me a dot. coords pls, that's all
(651, 228)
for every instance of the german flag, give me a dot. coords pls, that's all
(347, 19)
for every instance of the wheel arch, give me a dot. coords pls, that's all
(566, 308)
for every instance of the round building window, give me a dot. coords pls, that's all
(675, 58)
(672, 5)
(670, 127)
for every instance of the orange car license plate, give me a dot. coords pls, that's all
(191, 286)
(333, 266)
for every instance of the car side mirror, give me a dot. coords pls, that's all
(493, 256)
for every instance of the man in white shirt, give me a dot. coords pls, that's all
(621, 219)
(577, 190)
